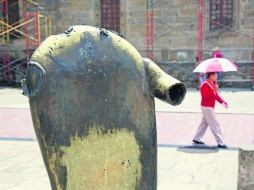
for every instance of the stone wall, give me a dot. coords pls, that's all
(175, 30)
(175, 40)
(175, 26)
(65, 13)
(183, 72)
(175, 44)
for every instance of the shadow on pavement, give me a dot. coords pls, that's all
(201, 149)
(198, 149)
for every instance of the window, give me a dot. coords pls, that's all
(13, 11)
(221, 14)
(110, 14)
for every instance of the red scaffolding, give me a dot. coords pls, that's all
(4, 19)
(200, 32)
(5, 39)
(253, 57)
(149, 29)
(34, 31)
(27, 29)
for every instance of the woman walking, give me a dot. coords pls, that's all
(209, 94)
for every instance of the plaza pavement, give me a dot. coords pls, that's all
(180, 165)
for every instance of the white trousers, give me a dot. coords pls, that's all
(209, 119)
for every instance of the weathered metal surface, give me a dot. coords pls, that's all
(91, 96)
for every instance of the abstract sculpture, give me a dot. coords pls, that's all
(91, 96)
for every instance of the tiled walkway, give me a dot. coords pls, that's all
(22, 168)
(172, 128)
(180, 165)
(179, 128)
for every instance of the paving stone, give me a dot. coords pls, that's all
(179, 167)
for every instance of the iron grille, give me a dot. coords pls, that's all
(221, 14)
(110, 14)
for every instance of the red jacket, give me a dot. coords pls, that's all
(209, 95)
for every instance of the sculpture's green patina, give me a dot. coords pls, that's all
(92, 102)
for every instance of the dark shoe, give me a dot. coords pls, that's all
(222, 146)
(198, 142)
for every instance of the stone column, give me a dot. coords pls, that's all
(246, 169)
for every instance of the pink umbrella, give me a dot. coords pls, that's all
(215, 65)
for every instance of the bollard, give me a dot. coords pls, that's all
(246, 169)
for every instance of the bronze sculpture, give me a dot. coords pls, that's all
(91, 96)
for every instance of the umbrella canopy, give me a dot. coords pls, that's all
(215, 65)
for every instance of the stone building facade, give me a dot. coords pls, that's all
(175, 26)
